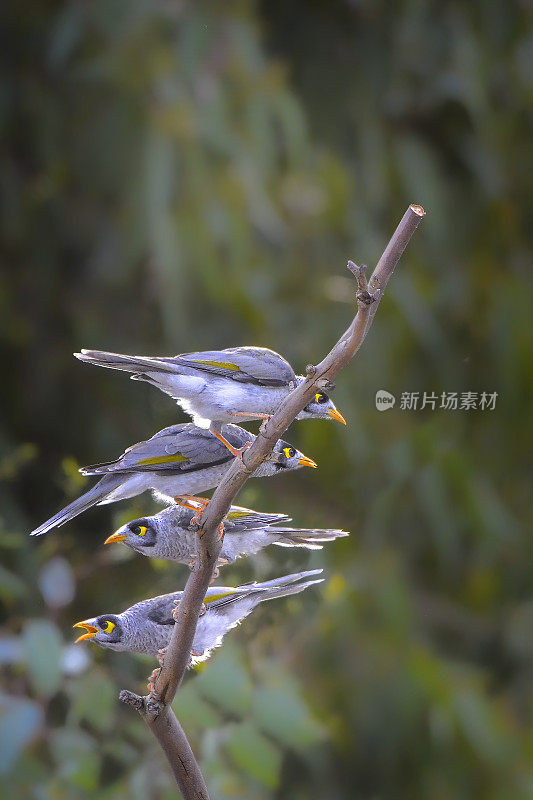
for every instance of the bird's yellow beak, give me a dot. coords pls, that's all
(91, 631)
(307, 462)
(115, 537)
(336, 415)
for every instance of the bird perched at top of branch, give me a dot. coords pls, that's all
(167, 535)
(181, 459)
(146, 627)
(216, 386)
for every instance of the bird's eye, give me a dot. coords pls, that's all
(320, 398)
(140, 530)
(290, 452)
(108, 627)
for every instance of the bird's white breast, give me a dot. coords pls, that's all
(220, 398)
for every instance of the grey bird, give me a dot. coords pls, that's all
(167, 535)
(146, 627)
(216, 386)
(179, 460)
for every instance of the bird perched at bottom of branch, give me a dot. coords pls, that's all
(216, 386)
(147, 626)
(178, 460)
(167, 535)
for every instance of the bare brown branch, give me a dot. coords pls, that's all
(177, 749)
(155, 708)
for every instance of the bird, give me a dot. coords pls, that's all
(146, 627)
(179, 460)
(168, 534)
(216, 386)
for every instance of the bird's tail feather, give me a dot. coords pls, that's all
(310, 538)
(81, 504)
(288, 584)
(246, 519)
(284, 591)
(163, 373)
(101, 358)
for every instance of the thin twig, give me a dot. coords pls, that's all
(155, 708)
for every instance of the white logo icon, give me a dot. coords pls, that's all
(384, 400)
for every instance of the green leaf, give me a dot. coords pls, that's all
(10, 585)
(479, 723)
(280, 712)
(226, 683)
(77, 757)
(192, 711)
(57, 582)
(253, 753)
(93, 699)
(43, 645)
(20, 721)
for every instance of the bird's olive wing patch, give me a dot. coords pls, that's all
(255, 365)
(166, 459)
(219, 364)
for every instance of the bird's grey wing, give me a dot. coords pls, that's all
(256, 365)
(216, 601)
(219, 596)
(201, 448)
(178, 447)
(199, 444)
(238, 603)
(159, 609)
(243, 519)
(160, 452)
(224, 610)
(175, 516)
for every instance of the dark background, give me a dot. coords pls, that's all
(179, 176)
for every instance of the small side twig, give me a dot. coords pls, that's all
(131, 699)
(163, 723)
(359, 273)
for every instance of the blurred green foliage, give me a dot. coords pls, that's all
(193, 175)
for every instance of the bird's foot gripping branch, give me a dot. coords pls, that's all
(155, 707)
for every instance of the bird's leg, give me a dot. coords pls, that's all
(193, 499)
(153, 675)
(221, 562)
(252, 415)
(200, 504)
(185, 503)
(152, 678)
(237, 452)
(196, 503)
